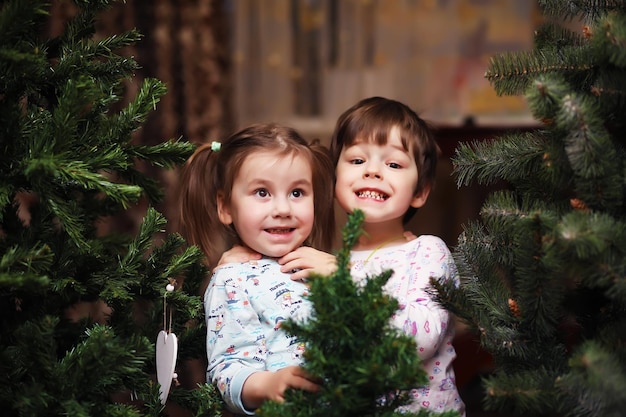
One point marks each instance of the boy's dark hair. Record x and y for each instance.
(372, 119)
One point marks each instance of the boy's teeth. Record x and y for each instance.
(372, 194)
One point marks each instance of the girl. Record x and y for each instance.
(261, 188)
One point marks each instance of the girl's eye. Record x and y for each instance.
(262, 192)
(394, 165)
(356, 161)
(297, 193)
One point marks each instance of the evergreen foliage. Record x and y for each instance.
(545, 268)
(362, 361)
(67, 164)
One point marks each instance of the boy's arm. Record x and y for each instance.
(423, 318)
(300, 263)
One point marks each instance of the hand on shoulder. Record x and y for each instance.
(306, 260)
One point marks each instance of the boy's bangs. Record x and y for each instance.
(378, 134)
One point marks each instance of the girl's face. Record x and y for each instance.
(271, 204)
(379, 179)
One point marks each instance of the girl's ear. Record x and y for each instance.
(420, 198)
(223, 209)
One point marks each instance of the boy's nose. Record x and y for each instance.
(372, 171)
(372, 175)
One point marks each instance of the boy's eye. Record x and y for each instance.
(261, 192)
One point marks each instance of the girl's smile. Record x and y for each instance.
(271, 212)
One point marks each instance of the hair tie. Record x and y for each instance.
(215, 146)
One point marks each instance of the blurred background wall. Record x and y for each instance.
(228, 63)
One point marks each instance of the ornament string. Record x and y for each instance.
(166, 311)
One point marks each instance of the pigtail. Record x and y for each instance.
(199, 221)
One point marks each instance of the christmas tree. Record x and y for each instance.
(81, 304)
(545, 266)
(365, 365)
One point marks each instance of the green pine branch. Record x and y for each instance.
(543, 269)
(364, 364)
(80, 306)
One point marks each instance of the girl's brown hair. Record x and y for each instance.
(210, 171)
(372, 119)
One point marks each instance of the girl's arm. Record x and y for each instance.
(266, 385)
(237, 357)
(238, 253)
(232, 326)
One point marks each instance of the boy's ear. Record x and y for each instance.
(223, 209)
(420, 198)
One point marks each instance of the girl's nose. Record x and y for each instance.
(282, 208)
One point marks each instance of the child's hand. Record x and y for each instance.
(290, 377)
(305, 260)
(266, 385)
(238, 253)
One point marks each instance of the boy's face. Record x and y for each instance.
(271, 203)
(378, 179)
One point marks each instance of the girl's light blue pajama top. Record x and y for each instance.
(245, 304)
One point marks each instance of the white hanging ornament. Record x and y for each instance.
(166, 351)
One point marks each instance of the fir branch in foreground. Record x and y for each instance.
(365, 363)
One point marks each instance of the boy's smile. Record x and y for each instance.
(381, 180)
(373, 194)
